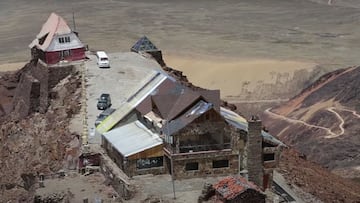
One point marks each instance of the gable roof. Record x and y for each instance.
(230, 187)
(200, 108)
(183, 101)
(167, 87)
(55, 25)
(144, 44)
(163, 104)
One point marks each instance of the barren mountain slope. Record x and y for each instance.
(316, 180)
(323, 121)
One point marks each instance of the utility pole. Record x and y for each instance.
(172, 175)
(73, 15)
(171, 159)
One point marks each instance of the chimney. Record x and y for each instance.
(254, 151)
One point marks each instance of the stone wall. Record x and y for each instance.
(255, 153)
(205, 164)
(116, 178)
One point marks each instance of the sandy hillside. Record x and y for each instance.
(11, 66)
(234, 76)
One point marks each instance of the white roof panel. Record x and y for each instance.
(132, 138)
(151, 82)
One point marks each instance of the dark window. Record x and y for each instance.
(265, 144)
(149, 163)
(269, 157)
(192, 166)
(207, 117)
(220, 163)
(61, 40)
(67, 39)
(42, 40)
(65, 53)
(64, 39)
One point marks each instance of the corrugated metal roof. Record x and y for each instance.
(132, 138)
(148, 85)
(239, 122)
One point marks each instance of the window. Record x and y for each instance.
(64, 53)
(61, 40)
(149, 163)
(192, 166)
(67, 39)
(64, 39)
(269, 157)
(221, 164)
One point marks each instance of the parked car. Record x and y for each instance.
(103, 115)
(104, 101)
(102, 59)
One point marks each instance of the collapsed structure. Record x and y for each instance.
(57, 42)
(237, 189)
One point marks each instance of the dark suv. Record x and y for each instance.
(103, 115)
(104, 102)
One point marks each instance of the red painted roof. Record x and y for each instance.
(231, 187)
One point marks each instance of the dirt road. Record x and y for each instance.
(330, 133)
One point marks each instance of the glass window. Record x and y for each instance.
(61, 40)
(269, 157)
(149, 163)
(192, 166)
(220, 163)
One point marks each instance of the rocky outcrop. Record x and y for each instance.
(36, 142)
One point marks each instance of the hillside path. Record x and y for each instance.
(328, 130)
(352, 111)
(341, 125)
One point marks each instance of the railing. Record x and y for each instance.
(200, 148)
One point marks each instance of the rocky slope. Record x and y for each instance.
(37, 142)
(322, 122)
(314, 179)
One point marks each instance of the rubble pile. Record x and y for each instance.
(37, 143)
(54, 197)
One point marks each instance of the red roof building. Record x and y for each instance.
(238, 189)
(57, 42)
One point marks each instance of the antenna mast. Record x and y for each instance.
(73, 14)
